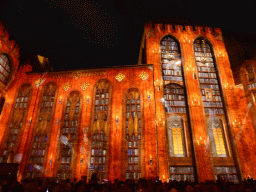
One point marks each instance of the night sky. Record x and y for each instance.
(84, 34)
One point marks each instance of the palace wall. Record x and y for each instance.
(238, 117)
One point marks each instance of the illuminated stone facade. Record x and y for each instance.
(176, 115)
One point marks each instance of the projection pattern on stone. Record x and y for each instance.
(18, 158)
(244, 121)
(39, 168)
(82, 150)
(64, 140)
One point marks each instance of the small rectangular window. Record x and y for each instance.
(129, 151)
(130, 160)
(136, 151)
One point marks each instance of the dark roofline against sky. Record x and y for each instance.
(95, 69)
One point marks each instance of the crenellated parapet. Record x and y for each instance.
(182, 28)
(184, 34)
(187, 33)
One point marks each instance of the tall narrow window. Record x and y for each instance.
(208, 77)
(4, 68)
(217, 138)
(99, 144)
(13, 134)
(42, 131)
(69, 136)
(212, 96)
(133, 134)
(176, 107)
(171, 59)
(176, 137)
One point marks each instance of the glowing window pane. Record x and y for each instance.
(219, 141)
(177, 141)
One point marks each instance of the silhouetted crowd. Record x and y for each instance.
(141, 185)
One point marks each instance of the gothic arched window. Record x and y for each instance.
(175, 130)
(69, 136)
(212, 97)
(216, 134)
(171, 59)
(133, 126)
(175, 102)
(99, 145)
(14, 132)
(42, 130)
(208, 77)
(4, 68)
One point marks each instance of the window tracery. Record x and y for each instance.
(212, 96)
(176, 136)
(42, 131)
(4, 68)
(19, 114)
(208, 79)
(133, 128)
(171, 59)
(216, 134)
(99, 148)
(69, 136)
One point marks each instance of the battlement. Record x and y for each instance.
(180, 28)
